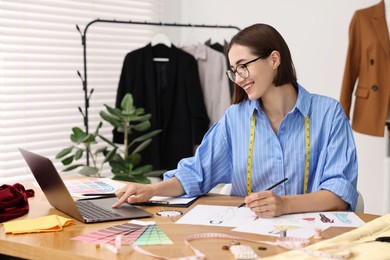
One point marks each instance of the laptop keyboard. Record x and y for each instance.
(90, 210)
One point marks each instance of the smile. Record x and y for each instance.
(247, 86)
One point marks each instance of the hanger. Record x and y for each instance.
(161, 39)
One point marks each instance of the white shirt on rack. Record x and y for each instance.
(215, 84)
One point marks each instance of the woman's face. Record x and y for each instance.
(261, 72)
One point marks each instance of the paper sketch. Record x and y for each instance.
(243, 220)
(217, 216)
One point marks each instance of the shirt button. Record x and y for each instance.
(374, 88)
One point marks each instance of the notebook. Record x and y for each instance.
(85, 210)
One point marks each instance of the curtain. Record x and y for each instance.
(40, 54)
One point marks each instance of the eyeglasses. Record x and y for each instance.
(241, 69)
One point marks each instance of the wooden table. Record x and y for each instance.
(58, 245)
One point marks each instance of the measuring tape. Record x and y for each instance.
(169, 213)
(292, 243)
(285, 242)
(250, 153)
(307, 159)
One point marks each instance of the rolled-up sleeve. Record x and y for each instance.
(340, 167)
(210, 165)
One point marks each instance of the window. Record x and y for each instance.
(40, 54)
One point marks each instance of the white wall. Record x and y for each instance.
(317, 33)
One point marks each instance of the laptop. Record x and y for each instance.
(85, 210)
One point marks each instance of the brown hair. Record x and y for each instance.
(263, 39)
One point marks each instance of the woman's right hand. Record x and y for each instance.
(133, 193)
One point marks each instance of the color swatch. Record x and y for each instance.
(92, 185)
(130, 232)
(153, 235)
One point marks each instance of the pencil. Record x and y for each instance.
(270, 188)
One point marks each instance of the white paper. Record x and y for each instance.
(223, 216)
(171, 200)
(242, 219)
(301, 225)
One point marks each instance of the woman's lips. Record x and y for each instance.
(247, 87)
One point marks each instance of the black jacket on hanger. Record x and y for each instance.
(172, 93)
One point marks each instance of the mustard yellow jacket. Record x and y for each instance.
(368, 63)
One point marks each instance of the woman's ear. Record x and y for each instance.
(275, 57)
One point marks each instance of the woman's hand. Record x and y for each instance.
(266, 204)
(133, 193)
(137, 192)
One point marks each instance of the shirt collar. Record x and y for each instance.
(303, 100)
(302, 104)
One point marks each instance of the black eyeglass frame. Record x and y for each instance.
(232, 73)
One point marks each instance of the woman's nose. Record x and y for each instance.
(238, 80)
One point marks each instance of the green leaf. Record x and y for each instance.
(78, 154)
(139, 111)
(114, 121)
(74, 166)
(134, 158)
(89, 138)
(107, 141)
(77, 131)
(128, 116)
(89, 171)
(68, 160)
(123, 177)
(116, 112)
(142, 126)
(120, 166)
(64, 152)
(120, 129)
(78, 135)
(98, 127)
(127, 103)
(110, 155)
(101, 150)
(141, 179)
(144, 137)
(142, 146)
(142, 118)
(157, 173)
(142, 170)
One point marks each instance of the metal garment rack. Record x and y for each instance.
(84, 80)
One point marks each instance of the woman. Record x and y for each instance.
(274, 129)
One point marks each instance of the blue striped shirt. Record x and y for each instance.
(223, 153)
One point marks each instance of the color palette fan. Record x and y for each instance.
(139, 234)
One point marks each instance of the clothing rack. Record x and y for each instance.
(84, 80)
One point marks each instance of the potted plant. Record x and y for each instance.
(125, 161)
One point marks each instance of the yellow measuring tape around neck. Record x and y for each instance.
(250, 153)
(307, 159)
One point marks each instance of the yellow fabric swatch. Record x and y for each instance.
(43, 224)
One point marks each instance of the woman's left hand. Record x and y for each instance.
(266, 204)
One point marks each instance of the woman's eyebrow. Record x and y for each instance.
(240, 61)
